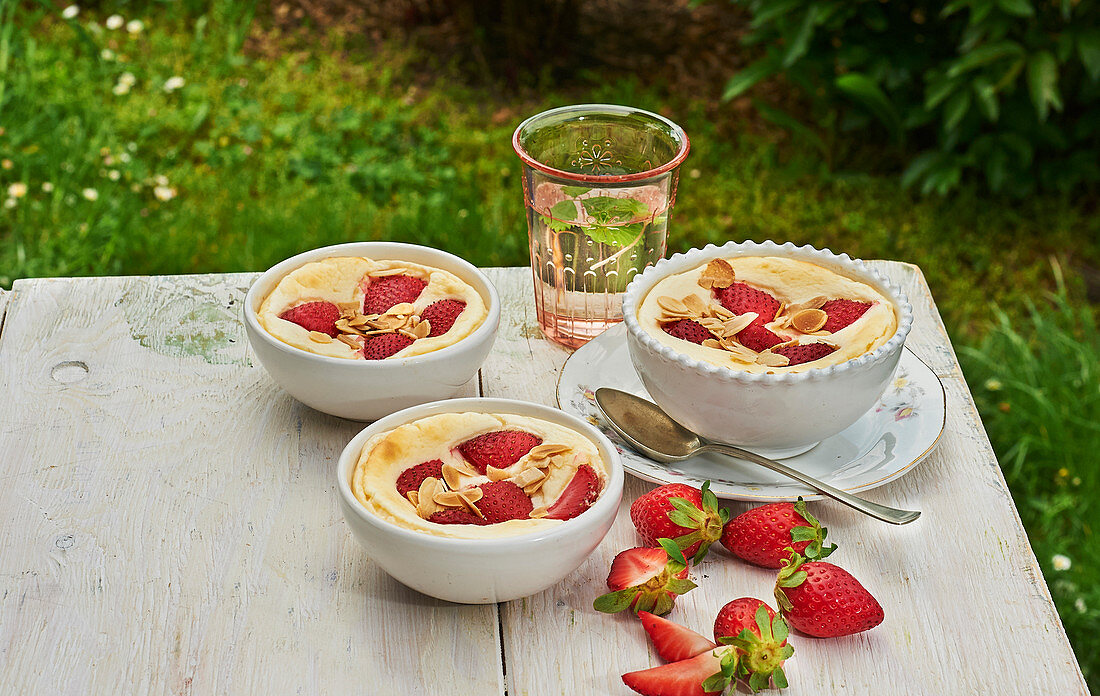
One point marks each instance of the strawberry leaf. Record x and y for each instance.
(793, 580)
(779, 630)
(758, 681)
(614, 602)
(803, 534)
(682, 519)
(680, 586)
(779, 678)
(763, 622)
(673, 551)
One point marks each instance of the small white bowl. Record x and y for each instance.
(481, 571)
(370, 389)
(780, 414)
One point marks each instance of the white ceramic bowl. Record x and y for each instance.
(778, 415)
(481, 571)
(370, 389)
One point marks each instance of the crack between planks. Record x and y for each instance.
(5, 302)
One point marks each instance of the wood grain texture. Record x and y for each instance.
(170, 516)
(965, 601)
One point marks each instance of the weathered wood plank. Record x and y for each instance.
(169, 515)
(966, 560)
(5, 297)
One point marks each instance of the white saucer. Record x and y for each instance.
(886, 442)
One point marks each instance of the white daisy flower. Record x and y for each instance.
(161, 180)
(17, 190)
(1061, 562)
(90, 193)
(124, 157)
(70, 12)
(121, 88)
(134, 26)
(115, 21)
(114, 175)
(10, 203)
(173, 83)
(164, 193)
(107, 54)
(127, 78)
(47, 187)
(1079, 605)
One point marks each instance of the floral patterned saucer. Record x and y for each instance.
(888, 441)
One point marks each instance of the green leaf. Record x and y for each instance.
(953, 7)
(996, 169)
(614, 602)
(1088, 49)
(772, 11)
(866, 92)
(779, 629)
(763, 622)
(920, 166)
(987, 98)
(983, 55)
(564, 210)
(680, 586)
(784, 120)
(681, 518)
(758, 681)
(605, 209)
(716, 683)
(575, 190)
(800, 43)
(793, 580)
(673, 551)
(621, 235)
(780, 678)
(745, 79)
(936, 92)
(1019, 8)
(1042, 82)
(955, 110)
(803, 534)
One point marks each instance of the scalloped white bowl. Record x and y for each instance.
(780, 414)
(370, 389)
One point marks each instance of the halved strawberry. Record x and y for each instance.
(841, 313)
(383, 293)
(741, 297)
(314, 316)
(441, 315)
(456, 516)
(411, 478)
(672, 641)
(757, 337)
(502, 501)
(804, 353)
(683, 678)
(645, 579)
(688, 330)
(759, 638)
(578, 496)
(500, 448)
(382, 346)
(689, 516)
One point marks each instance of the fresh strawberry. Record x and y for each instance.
(441, 315)
(455, 516)
(824, 600)
(759, 638)
(502, 501)
(804, 353)
(411, 478)
(688, 330)
(758, 337)
(841, 313)
(672, 641)
(740, 298)
(383, 293)
(500, 448)
(766, 535)
(382, 346)
(578, 496)
(314, 316)
(646, 579)
(683, 678)
(687, 515)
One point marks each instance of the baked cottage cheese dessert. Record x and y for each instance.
(359, 308)
(478, 475)
(767, 314)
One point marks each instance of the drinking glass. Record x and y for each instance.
(599, 182)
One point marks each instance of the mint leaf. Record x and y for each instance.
(556, 225)
(605, 210)
(623, 235)
(565, 210)
(574, 190)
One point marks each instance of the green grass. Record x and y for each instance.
(260, 155)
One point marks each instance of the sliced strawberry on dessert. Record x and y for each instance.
(411, 478)
(759, 638)
(502, 501)
(500, 448)
(758, 337)
(455, 516)
(824, 600)
(804, 353)
(645, 579)
(689, 516)
(578, 496)
(672, 641)
(314, 316)
(741, 297)
(767, 534)
(382, 346)
(688, 330)
(441, 315)
(387, 291)
(683, 678)
(841, 313)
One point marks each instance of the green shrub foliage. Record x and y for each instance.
(1005, 91)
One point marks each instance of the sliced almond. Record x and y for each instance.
(712, 343)
(671, 304)
(496, 474)
(533, 488)
(452, 477)
(734, 326)
(695, 304)
(527, 477)
(539, 512)
(816, 302)
(717, 274)
(358, 321)
(809, 320)
(422, 329)
(426, 504)
(387, 272)
(547, 450)
(406, 332)
(413, 497)
(772, 359)
(401, 309)
(318, 337)
(721, 312)
(351, 342)
(448, 499)
(471, 495)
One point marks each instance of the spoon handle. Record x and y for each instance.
(882, 512)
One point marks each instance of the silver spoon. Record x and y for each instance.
(651, 431)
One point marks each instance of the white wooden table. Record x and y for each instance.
(170, 526)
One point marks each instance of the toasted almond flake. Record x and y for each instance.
(717, 274)
(387, 272)
(448, 499)
(547, 450)
(809, 320)
(816, 302)
(496, 474)
(695, 304)
(422, 329)
(469, 505)
(401, 309)
(722, 313)
(406, 332)
(319, 337)
(772, 359)
(413, 497)
(350, 308)
(671, 304)
(426, 504)
(351, 342)
(471, 495)
(358, 321)
(735, 325)
(539, 512)
(527, 477)
(452, 477)
(533, 488)
(782, 322)
(823, 332)
(712, 343)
